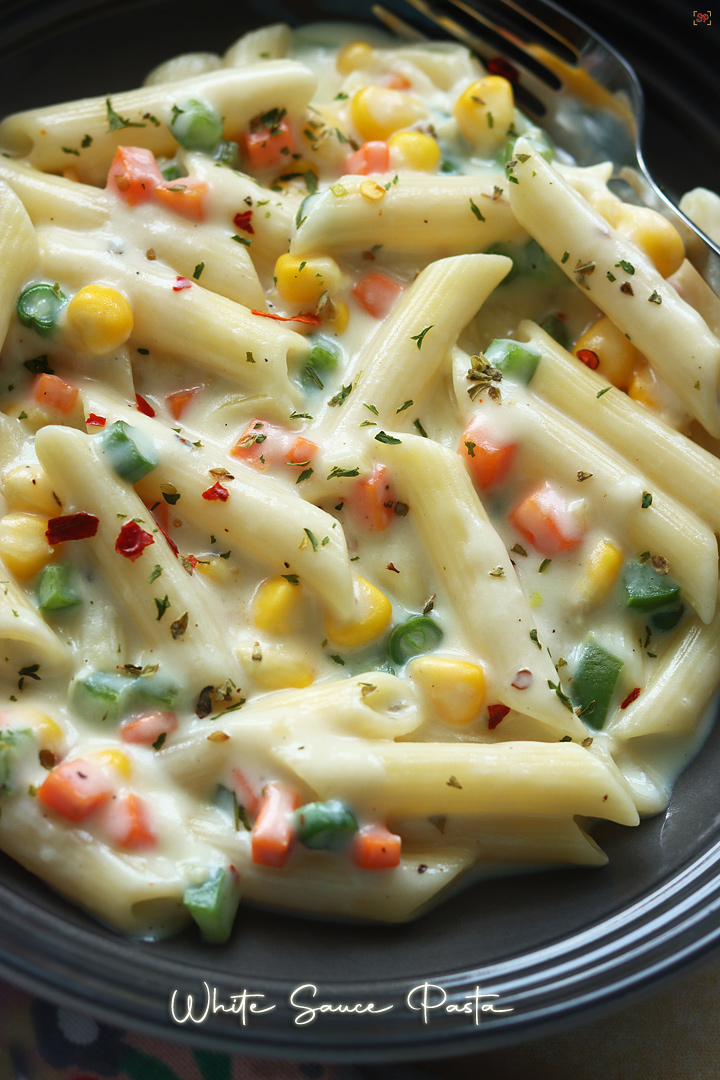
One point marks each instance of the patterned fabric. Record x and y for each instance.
(40, 1041)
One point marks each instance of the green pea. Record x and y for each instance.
(39, 306)
(420, 634)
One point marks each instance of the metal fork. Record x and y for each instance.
(568, 81)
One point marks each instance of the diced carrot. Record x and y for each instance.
(376, 848)
(272, 833)
(259, 440)
(377, 294)
(301, 450)
(75, 788)
(185, 196)
(372, 501)
(134, 174)
(245, 793)
(487, 457)
(179, 400)
(55, 393)
(396, 82)
(546, 521)
(149, 727)
(372, 157)
(265, 149)
(125, 821)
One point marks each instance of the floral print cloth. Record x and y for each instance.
(41, 1041)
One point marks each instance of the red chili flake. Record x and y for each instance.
(243, 221)
(632, 696)
(588, 358)
(500, 66)
(132, 541)
(144, 406)
(181, 283)
(173, 546)
(217, 493)
(193, 561)
(523, 679)
(94, 420)
(305, 317)
(496, 713)
(71, 527)
(392, 566)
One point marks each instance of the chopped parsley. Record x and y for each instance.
(419, 338)
(117, 122)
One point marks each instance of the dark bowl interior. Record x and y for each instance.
(556, 945)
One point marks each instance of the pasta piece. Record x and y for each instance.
(622, 282)
(22, 626)
(18, 253)
(267, 521)
(200, 647)
(687, 673)
(124, 890)
(375, 705)
(407, 351)
(432, 216)
(464, 548)
(178, 317)
(686, 471)
(53, 198)
(233, 193)
(39, 135)
(265, 43)
(558, 779)
(321, 887)
(552, 445)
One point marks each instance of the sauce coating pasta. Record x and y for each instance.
(359, 488)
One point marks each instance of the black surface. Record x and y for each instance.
(554, 945)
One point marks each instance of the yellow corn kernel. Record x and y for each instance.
(485, 111)
(274, 668)
(101, 318)
(23, 544)
(27, 487)
(618, 359)
(303, 281)
(355, 55)
(215, 568)
(49, 733)
(654, 235)
(414, 150)
(276, 602)
(377, 112)
(455, 689)
(372, 615)
(601, 573)
(340, 319)
(115, 759)
(644, 389)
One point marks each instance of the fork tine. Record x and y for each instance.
(524, 22)
(538, 80)
(397, 25)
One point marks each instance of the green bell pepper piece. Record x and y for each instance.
(131, 454)
(213, 904)
(55, 588)
(646, 590)
(325, 826)
(593, 684)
